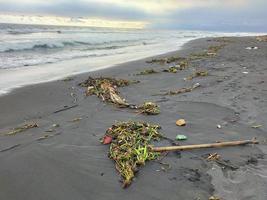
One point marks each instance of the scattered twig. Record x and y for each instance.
(66, 108)
(21, 129)
(10, 148)
(182, 90)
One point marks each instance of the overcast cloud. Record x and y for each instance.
(226, 15)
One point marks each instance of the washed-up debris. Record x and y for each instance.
(130, 147)
(106, 89)
(55, 125)
(252, 48)
(77, 119)
(182, 90)
(213, 157)
(214, 198)
(262, 38)
(181, 137)
(65, 108)
(219, 126)
(10, 148)
(165, 166)
(22, 128)
(211, 52)
(147, 72)
(245, 72)
(222, 40)
(256, 126)
(198, 74)
(149, 108)
(180, 66)
(166, 60)
(160, 60)
(172, 69)
(201, 146)
(180, 122)
(68, 79)
(46, 136)
(107, 139)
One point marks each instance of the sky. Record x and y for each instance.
(221, 15)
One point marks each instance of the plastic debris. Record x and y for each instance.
(181, 137)
(256, 126)
(180, 122)
(55, 125)
(252, 48)
(219, 126)
(213, 156)
(107, 139)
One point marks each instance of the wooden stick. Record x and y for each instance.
(200, 146)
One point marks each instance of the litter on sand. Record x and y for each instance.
(180, 122)
(22, 128)
(252, 48)
(256, 126)
(129, 147)
(181, 137)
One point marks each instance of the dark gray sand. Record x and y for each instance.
(71, 164)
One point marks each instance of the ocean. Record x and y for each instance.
(35, 53)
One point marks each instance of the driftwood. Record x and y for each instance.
(200, 146)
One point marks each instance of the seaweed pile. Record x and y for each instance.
(198, 74)
(129, 147)
(181, 65)
(147, 72)
(262, 38)
(106, 89)
(149, 108)
(166, 60)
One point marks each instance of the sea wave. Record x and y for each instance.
(83, 44)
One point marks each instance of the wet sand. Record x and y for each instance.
(72, 164)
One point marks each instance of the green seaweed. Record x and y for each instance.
(149, 108)
(130, 147)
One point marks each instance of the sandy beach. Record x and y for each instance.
(69, 162)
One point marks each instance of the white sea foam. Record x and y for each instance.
(34, 54)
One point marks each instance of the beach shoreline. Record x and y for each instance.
(72, 164)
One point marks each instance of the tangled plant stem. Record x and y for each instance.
(130, 147)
